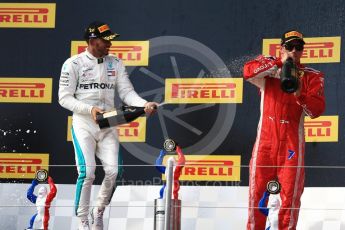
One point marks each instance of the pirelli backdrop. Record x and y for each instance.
(188, 54)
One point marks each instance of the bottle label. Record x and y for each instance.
(109, 114)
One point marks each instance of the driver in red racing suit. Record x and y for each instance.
(280, 133)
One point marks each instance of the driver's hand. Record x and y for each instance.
(94, 112)
(150, 107)
(284, 56)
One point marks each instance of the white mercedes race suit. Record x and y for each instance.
(87, 82)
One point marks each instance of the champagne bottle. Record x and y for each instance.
(125, 115)
(289, 78)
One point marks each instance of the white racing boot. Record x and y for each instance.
(83, 224)
(97, 218)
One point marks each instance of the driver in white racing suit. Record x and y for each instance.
(87, 86)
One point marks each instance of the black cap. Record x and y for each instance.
(99, 30)
(290, 36)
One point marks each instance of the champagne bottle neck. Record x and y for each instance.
(129, 106)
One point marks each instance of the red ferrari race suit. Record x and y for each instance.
(280, 137)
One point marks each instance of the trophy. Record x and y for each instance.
(270, 204)
(42, 200)
(167, 208)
